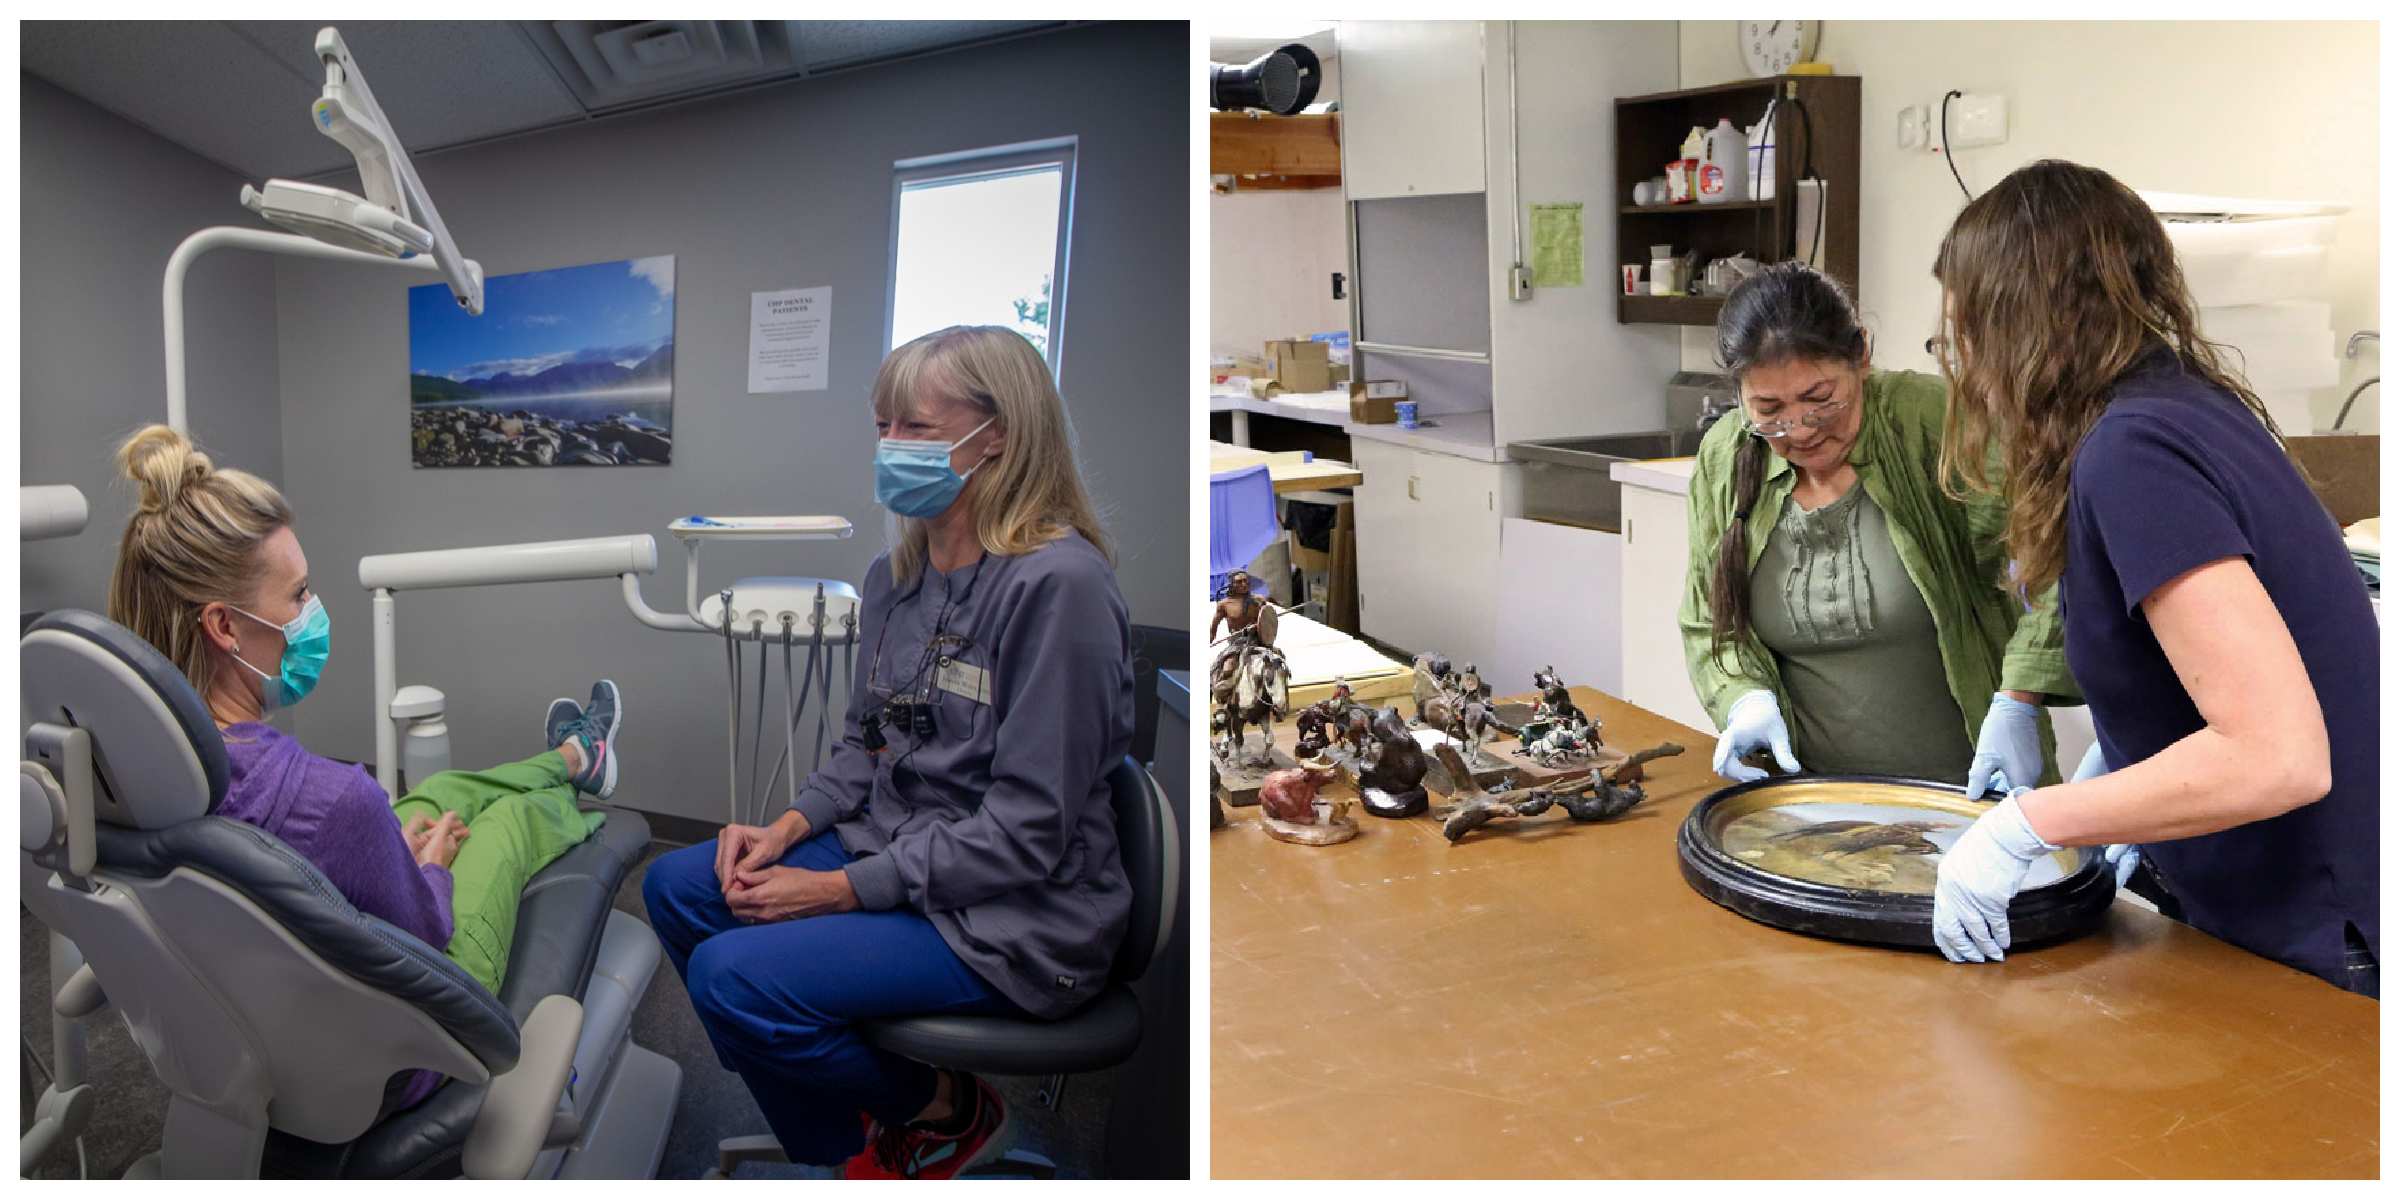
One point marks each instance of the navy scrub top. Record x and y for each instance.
(2177, 474)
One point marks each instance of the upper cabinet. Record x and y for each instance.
(1412, 108)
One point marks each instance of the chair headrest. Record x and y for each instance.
(158, 758)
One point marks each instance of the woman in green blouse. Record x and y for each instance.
(1840, 613)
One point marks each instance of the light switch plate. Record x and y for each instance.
(1912, 127)
(1978, 119)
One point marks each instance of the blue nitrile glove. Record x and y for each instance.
(1752, 722)
(2008, 752)
(1978, 877)
(2125, 858)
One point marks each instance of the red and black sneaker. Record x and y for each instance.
(910, 1152)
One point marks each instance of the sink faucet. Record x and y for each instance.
(2363, 335)
(1714, 407)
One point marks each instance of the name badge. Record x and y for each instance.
(964, 679)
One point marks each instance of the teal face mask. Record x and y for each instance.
(914, 478)
(307, 643)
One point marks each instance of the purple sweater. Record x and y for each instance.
(337, 817)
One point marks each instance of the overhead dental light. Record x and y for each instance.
(396, 218)
(1283, 80)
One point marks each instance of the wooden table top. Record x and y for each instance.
(1285, 470)
(1555, 1000)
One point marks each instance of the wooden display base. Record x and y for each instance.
(1334, 825)
(1528, 771)
(1238, 782)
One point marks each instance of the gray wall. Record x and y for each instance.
(783, 188)
(104, 203)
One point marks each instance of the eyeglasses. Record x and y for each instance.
(1815, 418)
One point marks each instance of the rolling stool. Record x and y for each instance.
(1096, 1037)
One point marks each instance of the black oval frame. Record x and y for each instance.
(2053, 912)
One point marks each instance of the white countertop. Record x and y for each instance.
(1461, 435)
(1321, 408)
(1670, 475)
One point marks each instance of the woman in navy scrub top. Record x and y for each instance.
(2214, 620)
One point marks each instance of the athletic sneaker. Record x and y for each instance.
(558, 723)
(596, 733)
(910, 1152)
(606, 708)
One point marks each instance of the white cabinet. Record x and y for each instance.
(1558, 606)
(1657, 553)
(1412, 108)
(1429, 547)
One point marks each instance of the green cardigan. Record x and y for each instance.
(1953, 552)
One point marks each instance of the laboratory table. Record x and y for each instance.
(1285, 471)
(1548, 999)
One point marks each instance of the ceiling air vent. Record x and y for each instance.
(616, 64)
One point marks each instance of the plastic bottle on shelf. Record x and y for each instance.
(1761, 157)
(1684, 182)
(1724, 169)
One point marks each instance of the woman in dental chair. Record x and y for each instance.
(957, 853)
(210, 573)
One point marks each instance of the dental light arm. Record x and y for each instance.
(394, 225)
(396, 219)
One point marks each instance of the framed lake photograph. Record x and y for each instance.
(573, 367)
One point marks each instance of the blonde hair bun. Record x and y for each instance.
(162, 462)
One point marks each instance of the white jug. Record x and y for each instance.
(1724, 167)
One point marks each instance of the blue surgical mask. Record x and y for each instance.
(914, 478)
(307, 643)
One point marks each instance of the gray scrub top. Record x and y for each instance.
(1856, 647)
(998, 826)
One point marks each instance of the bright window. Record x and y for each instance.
(981, 239)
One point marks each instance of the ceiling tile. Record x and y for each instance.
(442, 83)
(195, 83)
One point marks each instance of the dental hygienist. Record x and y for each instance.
(958, 853)
(2214, 619)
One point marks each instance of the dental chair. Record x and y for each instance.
(279, 1017)
(1096, 1037)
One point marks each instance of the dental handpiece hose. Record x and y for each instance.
(758, 721)
(733, 721)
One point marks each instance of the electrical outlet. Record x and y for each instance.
(1978, 119)
(1912, 126)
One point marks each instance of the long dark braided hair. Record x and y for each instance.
(1787, 311)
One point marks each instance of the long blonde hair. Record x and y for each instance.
(1032, 494)
(2058, 280)
(194, 539)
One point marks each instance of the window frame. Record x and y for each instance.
(993, 161)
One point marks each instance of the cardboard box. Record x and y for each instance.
(1375, 401)
(1300, 365)
(2344, 469)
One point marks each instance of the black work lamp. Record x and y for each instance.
(1283, 80)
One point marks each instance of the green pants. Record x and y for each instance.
(520, 816)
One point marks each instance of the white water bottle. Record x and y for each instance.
(1761, 158)
(1724, 171)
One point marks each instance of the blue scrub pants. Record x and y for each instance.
(779, 1000)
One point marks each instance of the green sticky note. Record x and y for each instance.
(1557, 245)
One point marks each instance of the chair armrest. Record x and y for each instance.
(515, 1119)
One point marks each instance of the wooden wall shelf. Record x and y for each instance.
(1267, 152)
(1650, 130)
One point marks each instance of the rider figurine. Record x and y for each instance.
(1238, 613)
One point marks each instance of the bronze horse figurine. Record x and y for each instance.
(1255, 692)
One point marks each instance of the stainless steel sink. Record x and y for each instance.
(1566, 479)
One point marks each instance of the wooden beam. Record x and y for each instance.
(1278, 183)
(1263, 144)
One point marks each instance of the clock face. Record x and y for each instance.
(1771, 47)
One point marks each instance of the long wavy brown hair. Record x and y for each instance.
(2055, 283)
